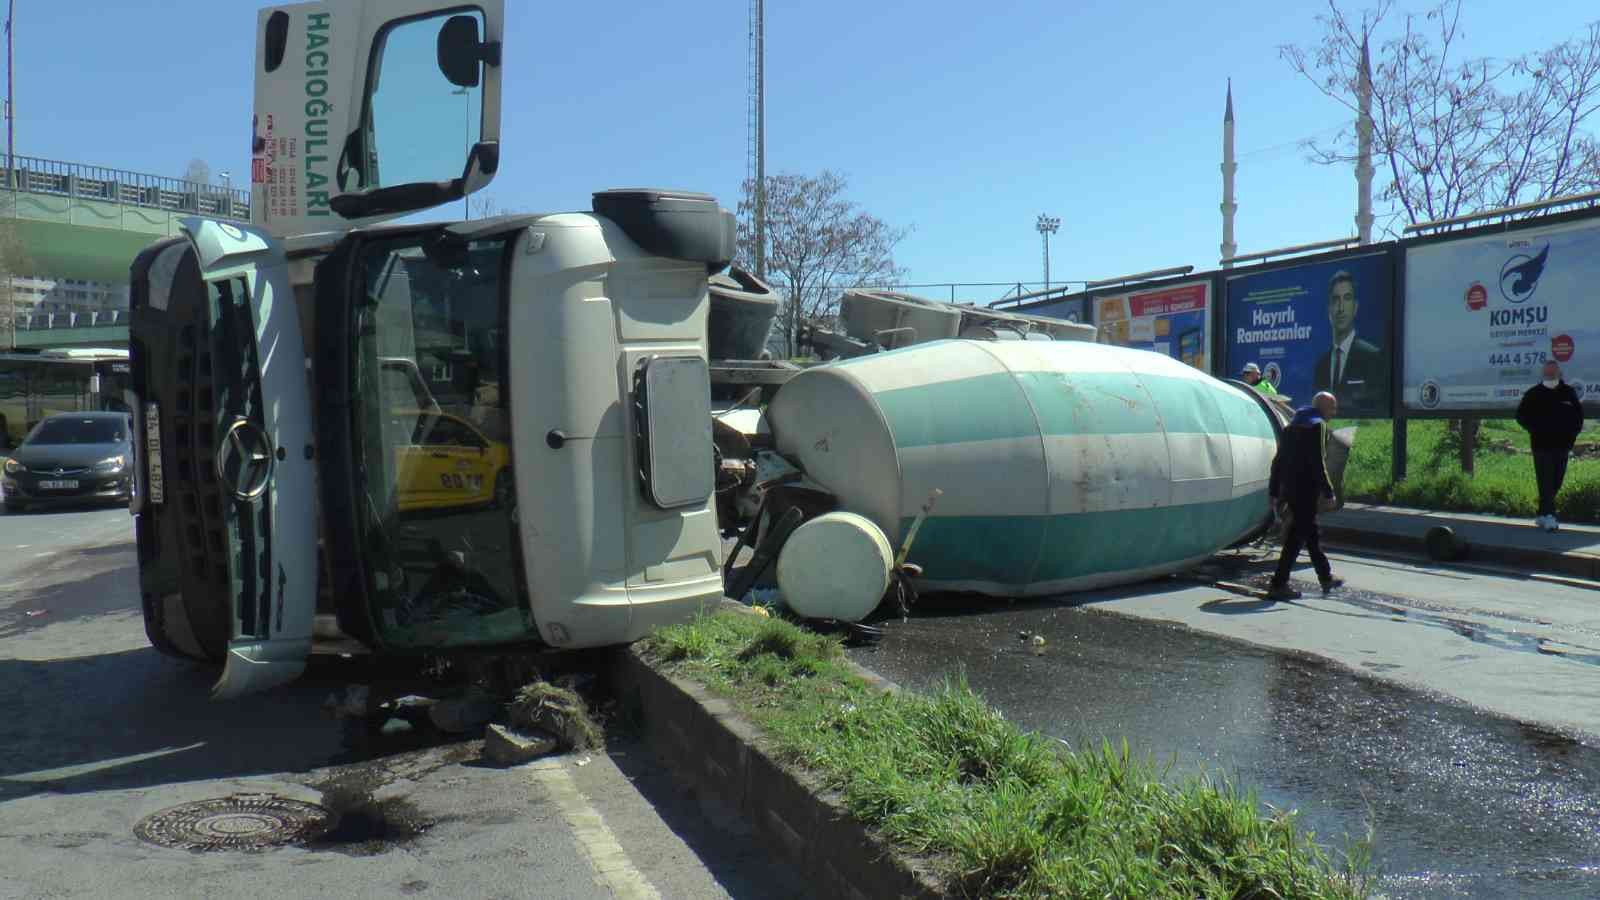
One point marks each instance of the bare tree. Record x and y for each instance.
(1455, 135)
(1451, 135)
(198, 172)
(485, 206)
(818, 244)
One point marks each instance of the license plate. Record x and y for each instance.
(57, 485)
(155, 486)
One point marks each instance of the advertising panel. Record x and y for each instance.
(1317, 327)
(1484, 313)
(1174, 321)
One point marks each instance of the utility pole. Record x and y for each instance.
(1047, 226)
(11, 163)
(758, 44)
(11, 100)
(466, 141)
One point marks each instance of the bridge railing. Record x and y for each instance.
(68, 179)
(86, 319)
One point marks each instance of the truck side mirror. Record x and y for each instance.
(460, 51)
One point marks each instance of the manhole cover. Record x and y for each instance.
(239, 822)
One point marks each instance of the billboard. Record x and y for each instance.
(1483, 314)
(1174, 321)
(1317, 327)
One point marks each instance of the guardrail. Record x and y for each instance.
(90, 319)
(67, 179)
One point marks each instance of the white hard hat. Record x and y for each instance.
(1251, 367)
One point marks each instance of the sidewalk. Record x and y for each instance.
(1515, 543)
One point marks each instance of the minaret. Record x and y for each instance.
(1229, 248)
(1364, 147)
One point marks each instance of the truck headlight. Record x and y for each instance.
(13, 467)
(111, 464)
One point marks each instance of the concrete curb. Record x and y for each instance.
(721, 756)
(1578, 565)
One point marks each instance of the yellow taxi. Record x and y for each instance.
(448, 463)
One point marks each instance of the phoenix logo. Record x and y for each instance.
(1519, 278)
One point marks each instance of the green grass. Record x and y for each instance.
(1000, 812)
(1503, 483)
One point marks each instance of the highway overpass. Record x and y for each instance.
(80, 222)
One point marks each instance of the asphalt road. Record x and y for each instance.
(1369, 708)
(98, 731)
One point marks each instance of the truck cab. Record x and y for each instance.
(456, 434)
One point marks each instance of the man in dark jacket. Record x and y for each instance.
(1299, 481)
(1552, 413)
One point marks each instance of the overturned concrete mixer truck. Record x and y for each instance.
(1014, 468)
(424, 438)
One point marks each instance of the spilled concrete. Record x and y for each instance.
(1459, 804)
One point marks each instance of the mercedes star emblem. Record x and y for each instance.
(244, 461)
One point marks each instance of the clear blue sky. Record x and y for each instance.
(962, 120)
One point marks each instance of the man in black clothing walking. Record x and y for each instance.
(1300, 481)
(1552, 413)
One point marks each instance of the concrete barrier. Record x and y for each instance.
(722, 756)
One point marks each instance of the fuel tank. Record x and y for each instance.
(1064, 465)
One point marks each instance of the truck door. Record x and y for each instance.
(366, 110)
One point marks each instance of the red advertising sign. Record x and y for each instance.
(1561, 347)
(1477, 296)
(1165, 302)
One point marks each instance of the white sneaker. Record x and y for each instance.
(1543, 522)
(1554, 525)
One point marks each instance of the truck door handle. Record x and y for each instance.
(437, 455)
(556, 439)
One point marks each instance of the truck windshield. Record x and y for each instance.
(434, 446)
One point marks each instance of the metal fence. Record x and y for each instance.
(981, 293)
(96, 318)
(67, 179)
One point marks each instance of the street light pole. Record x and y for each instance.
(1047, 226)
(466, 142)
(11, 100)
(11, 163)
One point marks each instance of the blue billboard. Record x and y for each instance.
(1317, 327)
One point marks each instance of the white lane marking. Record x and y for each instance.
(612, 868)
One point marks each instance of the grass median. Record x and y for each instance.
(1002, 813)
(1502, 484)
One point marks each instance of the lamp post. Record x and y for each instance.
(1047, 226)
(466, 141)
(11, 163)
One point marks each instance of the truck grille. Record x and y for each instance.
(236, 387)
(196, 360)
